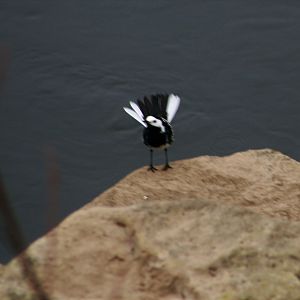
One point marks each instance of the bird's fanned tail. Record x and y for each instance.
(172, 107)
(133, 114)
(159, 106)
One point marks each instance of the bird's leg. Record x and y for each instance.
(167, 166)
(151, 167)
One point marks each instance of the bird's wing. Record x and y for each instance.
(133, 114)
(172, 106)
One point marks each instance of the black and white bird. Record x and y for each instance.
(155, 113)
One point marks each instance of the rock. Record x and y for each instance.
(211, 228)
(265, 181)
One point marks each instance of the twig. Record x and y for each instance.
(17, 242)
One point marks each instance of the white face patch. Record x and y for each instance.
(156, 123)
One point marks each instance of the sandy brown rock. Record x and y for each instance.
(265, 181)
(212, 228)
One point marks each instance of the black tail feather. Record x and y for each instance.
(156, 109)
(163, 105)
(154, 106)
(148, 105)
(142, 108)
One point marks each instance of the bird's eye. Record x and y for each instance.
(154, 121)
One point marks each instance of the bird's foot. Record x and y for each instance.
(152, 168)
(166, 167)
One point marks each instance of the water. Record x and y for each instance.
(74, 65)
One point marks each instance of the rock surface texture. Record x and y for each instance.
(211, 228)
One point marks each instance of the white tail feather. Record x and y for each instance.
(135, 116)
(137, 109)
(172, 106)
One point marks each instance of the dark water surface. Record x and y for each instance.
(75, 64)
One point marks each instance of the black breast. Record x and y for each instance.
(154, 137)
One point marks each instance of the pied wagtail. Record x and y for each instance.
(155, 113)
